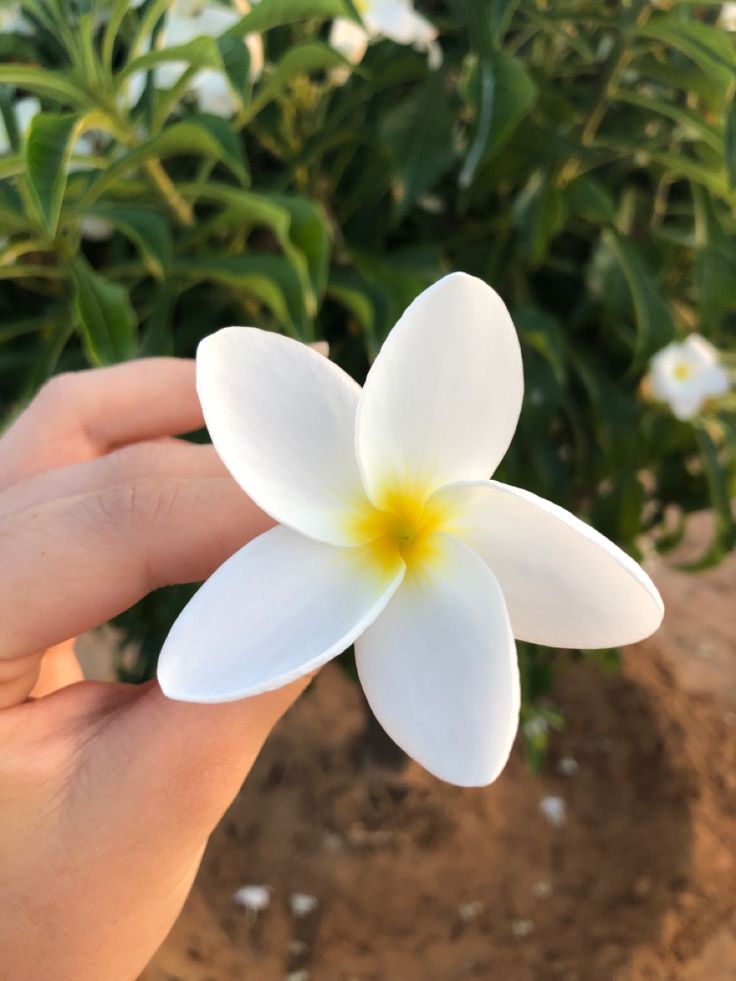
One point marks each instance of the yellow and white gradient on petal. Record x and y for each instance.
(439, 667)
(276, 610)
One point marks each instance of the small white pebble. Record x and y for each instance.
(298, 975)
(254, 898)
(554, 809)
(567, 766)
(470, 911)
(333, 843)
(302, 905)
(522, 929)
(542, 889)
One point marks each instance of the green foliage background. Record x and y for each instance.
(579, 156)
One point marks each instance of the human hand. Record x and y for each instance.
(108, 792)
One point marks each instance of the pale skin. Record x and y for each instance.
(108, 792)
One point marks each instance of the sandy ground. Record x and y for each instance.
(418, 881)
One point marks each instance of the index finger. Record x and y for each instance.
(81, 415)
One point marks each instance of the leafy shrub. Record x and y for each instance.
(579, 156)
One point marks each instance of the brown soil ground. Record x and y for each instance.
(420, 881)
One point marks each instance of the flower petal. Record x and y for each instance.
(282, 419)
(276, 610)
(439, 668)
(565, 584)
(349, 39)
(397, 20)
(442, 399)
(214, 94)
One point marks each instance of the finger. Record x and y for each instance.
(18, 675)
(69, 565)
(81, 415)
(198, 754)
(164, 457)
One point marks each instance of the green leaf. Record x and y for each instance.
(729, 136)
(202, 52)
(690, 120)
(276, 13)
(197, 134)
(589, 198)
(236, 62)
(269, 278)
(299, 226)
(105, 314)
(147, 230)
(710, 48)
(47, 152)
(207, 134)
(699, 173)
(715, 262)
(297, 62)
(46, 360)
(501, 92)
(540, 332)
(309, 233)
(539, 214)
(418, 136)
(42, 81)
(654, 325)
(724, 538)
(358, 302)
(12, 216)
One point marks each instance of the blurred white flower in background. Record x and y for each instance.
(188, 20)
(394, 19)
(12, 20)
(686, 374)
(25, 110)
(727, 17)
(96, 229)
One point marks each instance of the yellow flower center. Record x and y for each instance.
(682, 371)
(404, 527)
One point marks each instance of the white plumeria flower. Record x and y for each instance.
(686, 374)
(391, 535)
(394, 19)
(188, 20)
(727, 17)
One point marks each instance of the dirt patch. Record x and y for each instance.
(419, 881)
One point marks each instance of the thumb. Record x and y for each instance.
(186, 762)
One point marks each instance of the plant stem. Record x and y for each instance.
(163, 183)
